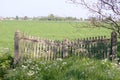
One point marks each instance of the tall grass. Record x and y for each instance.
(74, 68)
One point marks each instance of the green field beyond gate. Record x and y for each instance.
(47, 30)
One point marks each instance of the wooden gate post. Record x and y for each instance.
(114, 45)
(16, 46)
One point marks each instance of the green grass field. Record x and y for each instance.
(47, 30)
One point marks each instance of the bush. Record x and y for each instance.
(5, 63)
(37, 70)
(74, 68)
(88, 69)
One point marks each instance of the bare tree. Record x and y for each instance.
(107, 12)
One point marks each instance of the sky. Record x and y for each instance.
(32, 8)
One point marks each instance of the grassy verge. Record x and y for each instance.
(74, 68)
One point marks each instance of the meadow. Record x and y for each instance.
(47, 30)
(72, 68)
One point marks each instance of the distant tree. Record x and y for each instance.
(107, 10)
(93, 20)
(51, 17)
(36, 18)
(81, 19)
(25, 17)
(71, 18)
(17, 18)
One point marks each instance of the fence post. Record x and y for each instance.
(114, 45)
(16, 46)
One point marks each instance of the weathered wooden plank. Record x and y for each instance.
(16, 46)
(114, 45)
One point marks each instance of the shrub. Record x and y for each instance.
(5, 63)
(37, 70)
(74, 68)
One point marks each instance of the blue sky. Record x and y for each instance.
(31, 8)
